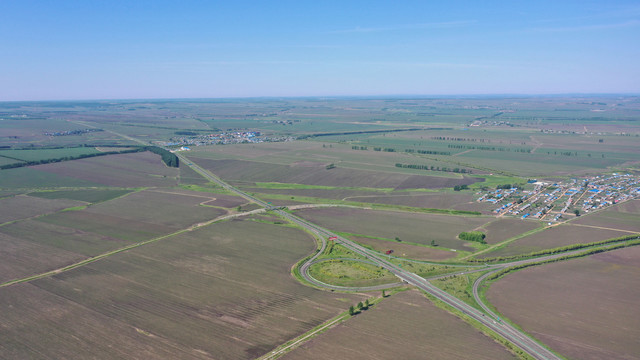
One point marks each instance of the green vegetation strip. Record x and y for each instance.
(557, 250)
(294, 186)
(314, 200)
(505, 271)
(208, 188)
(460, 286)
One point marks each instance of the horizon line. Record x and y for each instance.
(381, 96)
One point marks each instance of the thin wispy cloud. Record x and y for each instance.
(626, 24)
(208, 65)
(435, 25)
(418, 64)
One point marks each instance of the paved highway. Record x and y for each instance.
(510, 333)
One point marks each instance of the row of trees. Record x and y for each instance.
(169, 158)
(66, 158)
(447, 138)
(487, 148)
(361, 307)
(384, 149)
(433, 168)
(428, 152)
(507, 186)
(425, 152)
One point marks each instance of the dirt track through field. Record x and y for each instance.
(604, 228)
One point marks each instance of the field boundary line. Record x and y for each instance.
(181, 194)
(302, 338)
(508, 241)
(604, 228)
(123, 249)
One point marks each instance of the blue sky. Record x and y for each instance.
(168, 49)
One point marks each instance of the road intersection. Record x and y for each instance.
(515, 336)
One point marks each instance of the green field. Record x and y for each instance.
(44, 154)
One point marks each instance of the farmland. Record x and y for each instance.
(405, 250)
(169, 300)
(401, 326)
(124, 170)
(123, 256)
(22, 206)
(599, 293)
(318, 174)
(553, 237)
(409, 227)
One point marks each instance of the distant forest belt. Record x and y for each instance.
(369, 132)
(168, 157)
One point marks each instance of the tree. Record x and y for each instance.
(398, 239)
(433, 243)
(360, 305)
(366, 304)
(577, 212)
(476, 236)
(352, 311)
(384, 295)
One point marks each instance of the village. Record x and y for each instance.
(554, 201)
(224, 138)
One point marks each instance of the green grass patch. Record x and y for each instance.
(460, 286)
(315, 200)
(491, 181)
(75, 208)
(427, 269)
(90, 196)
(209, 188)
(334, 251)
(292, 186)
(350, 273)
(42, 154)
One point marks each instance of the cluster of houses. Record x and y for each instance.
(70, 132)
(550, 201)
(224, 138)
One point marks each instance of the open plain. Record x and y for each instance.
(249, 228)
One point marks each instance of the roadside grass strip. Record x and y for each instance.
(558, 249)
